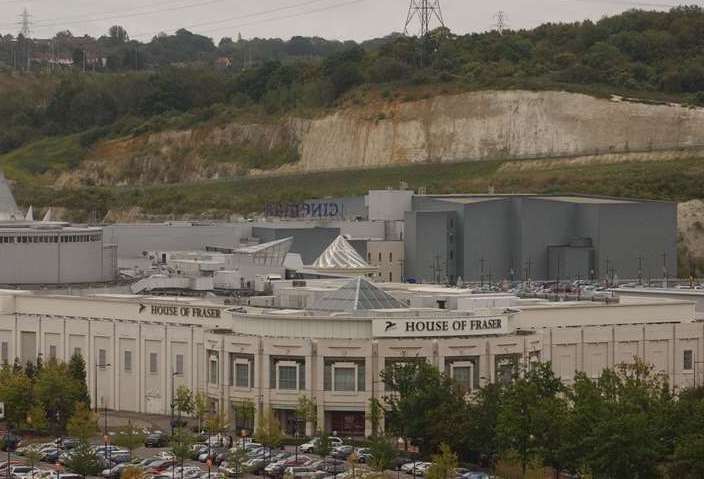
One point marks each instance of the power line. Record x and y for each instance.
(254, 14)
(630, 3)
(425, 11)
(87, 16)
(139, 14)
(265, 20)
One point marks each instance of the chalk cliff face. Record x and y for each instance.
(465, 127)
(495, 125)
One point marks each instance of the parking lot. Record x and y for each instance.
(210, 458)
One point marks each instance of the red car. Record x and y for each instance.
(159, 466)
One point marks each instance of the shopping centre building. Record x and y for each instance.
(330, 340)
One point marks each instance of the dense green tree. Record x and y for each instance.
(183, 402)
(443, 464)
(268, 430)
(307, 412)
(425, 407)
(180, 445)
(118, 34)
(323, 446)
(56, 390)
(16, 394)
(383, 452)
(129, 437)
(77, 370)
(83, 423)
(83, 460)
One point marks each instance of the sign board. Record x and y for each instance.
(313, 209)
(424, 328)
(185, 311)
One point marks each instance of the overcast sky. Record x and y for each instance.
(333, 19)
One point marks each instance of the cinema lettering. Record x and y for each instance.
(468, 326)
(181, 311)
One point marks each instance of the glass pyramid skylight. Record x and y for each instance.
(356, 295)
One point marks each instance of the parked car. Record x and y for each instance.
(311, 445)
(476, 475)
(276, 469)
(114, 472)
(399, 461)
(330, 465)
(198, 449)
(160, 466)
(423, 468)
(22, 472)
(342, 452)
(248, 446)
(303, 472)
(187, 472)
(364, 455)
(50, 455)
(409, 467)
(66, 443)
(156, 439)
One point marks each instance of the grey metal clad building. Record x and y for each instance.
(483, 237)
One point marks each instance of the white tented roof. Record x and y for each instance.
(340, 255)
(355, 295)
(8, 207)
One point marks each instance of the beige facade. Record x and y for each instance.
(388, 258)
(272, 357)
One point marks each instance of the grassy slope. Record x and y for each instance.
(665, 180)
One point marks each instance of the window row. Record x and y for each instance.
(81, 238)
(379, 256)
(288, 373)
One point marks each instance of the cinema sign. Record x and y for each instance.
(423, 328)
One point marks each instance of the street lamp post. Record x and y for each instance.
(399, 442)
(95, 382)
(106, 437)
(9, 451)
(173, 406)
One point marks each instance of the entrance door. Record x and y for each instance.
(347, 423)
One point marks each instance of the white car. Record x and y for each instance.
(309, 447)
(23, 472)
(408, 467)
(187, 472)
(423, 468)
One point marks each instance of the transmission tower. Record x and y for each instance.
(501, 21)
(25, 23)
(426, 12)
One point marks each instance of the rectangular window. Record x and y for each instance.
(127, 363)
(242, 375)
(506, 367)
(5, 352)
(102, 357)
(153, 363)
(462, 374)
(288, 377)
(52, 351)
(344, 378)
(179, 364)
(688, 360)
(213, 371)
(77, 351)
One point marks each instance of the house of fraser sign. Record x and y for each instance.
(461, 326)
